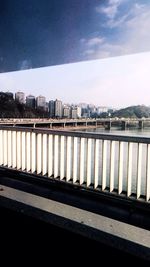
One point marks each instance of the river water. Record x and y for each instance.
(118, 131)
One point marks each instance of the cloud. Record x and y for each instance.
(137, 31)
(122, 20)
(89, 51)
(139, 6)
(91, 44)
(95, 41)
(111, 9)
(131, 30)
(106, 50)
(115, 23)
(92, 41)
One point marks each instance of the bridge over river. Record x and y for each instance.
(107, 123)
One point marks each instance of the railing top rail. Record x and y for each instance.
(101, 136)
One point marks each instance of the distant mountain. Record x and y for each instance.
(133, 112)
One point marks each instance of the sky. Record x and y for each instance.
(94, 51)
(114, 82)
(38, 33)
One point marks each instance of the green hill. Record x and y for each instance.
(133, 112)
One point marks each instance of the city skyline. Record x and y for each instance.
(114, 82)
(53, 32)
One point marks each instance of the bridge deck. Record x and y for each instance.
(47, 206)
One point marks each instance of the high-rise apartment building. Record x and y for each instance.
(51, 109)
(20, 97)
(78, 112)
(47, 107)
(66, 111)
(30, 101)
(74, 113)
(102, 109)
(41, 102)
(58, 108)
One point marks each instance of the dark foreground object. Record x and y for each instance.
(51, 221)
(37, 241)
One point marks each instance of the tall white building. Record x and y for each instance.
(66, 112)
(41, 102)
(74, 113)
(78, 111)
(102, 109)
(58, 108)
(20, 97)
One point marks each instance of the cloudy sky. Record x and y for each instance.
(94, 51)
(35, 33)
(122, 28)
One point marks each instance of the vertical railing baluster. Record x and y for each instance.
(28, 150)
(68, 165)
(1, 148)
(14, 149)
(112, 165)
(23, 143)
(82, 151)
(50, 155)
(96, 148)
(9, 152)
(120, 171)
(75, 145)
(148, 173)
(139, 169)
(5, 144)
(104, 164)
(129, 177)
(33, 152)
(62, 157)
(89, 161)
(44, 153)
(56, 166)
(39, 153)
(18, 150)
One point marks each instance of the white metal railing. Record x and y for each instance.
(106, 162)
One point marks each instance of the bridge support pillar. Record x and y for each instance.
(50, 126)
(64, 125)
(124, 125)
(108, 125)
(141, 124)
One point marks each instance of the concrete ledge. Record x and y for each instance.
(122, 236)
